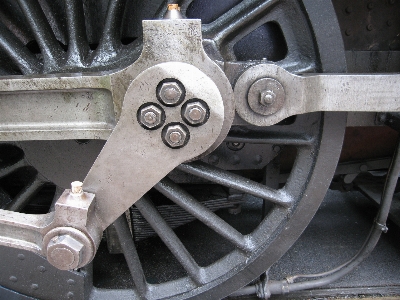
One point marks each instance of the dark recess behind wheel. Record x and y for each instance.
(336, 233)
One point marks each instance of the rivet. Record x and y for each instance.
(13, 279)
(235, 159)
(21, 256)
(389, 23)
(213, 159)
(369, 27)
(348, 32)
(70, 295)
(349, 9)
(370, 5)
(363, 168)
(71, 281)
(258, 159)
(34, 286)
(41, 269)
(276, 148)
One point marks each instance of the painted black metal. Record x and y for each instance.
(30, 274)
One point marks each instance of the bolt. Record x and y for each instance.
(76, 188)
(151, 116)
(170, 93)
(195, 113)
(267, 97)
(175, 136)
(65, 253)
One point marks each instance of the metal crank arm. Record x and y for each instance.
(266, 94)
(177, 106)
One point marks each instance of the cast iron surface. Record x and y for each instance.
(250, 253)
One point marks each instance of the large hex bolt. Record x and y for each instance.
(151, 116)
(195, 113)
(170, 93)
(175, 135)
(64, 252)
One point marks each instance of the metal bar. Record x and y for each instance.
(318, 92)
(22, 199)
(169, 189)
(130, 253)
(25, 116)
(43, 33)
(18, 53)
(278, 138)
(236, 19)
(78, 46)
(170, 239)
(236, 182)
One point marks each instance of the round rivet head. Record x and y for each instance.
(151, 116)
(195, 112)
(34, 286)
(21, 256)
(170, 93)
(175, 135)
(13, 279)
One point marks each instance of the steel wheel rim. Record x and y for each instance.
(304, 153)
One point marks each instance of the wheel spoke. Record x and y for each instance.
(18, 53)
(78, 46)
(50, 48)
(111, 37)
(130, 253)
(236, 19)
(236, 182)
(22, 199)
(169, 189)
(9, 169)
(167, 235)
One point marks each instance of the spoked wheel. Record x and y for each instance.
(180, 242)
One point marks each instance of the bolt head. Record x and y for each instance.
(65, 252)
(175, 136)
(195, 113)
(151, 116)
(170, 93)
(267, 97)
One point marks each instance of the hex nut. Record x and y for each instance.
(64, 252)
(175, 135)
(267, 97)
(170, 93)
(151, 116)
(195, 113)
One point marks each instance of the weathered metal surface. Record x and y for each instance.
(309, 93)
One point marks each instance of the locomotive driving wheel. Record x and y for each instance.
(209, 227)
